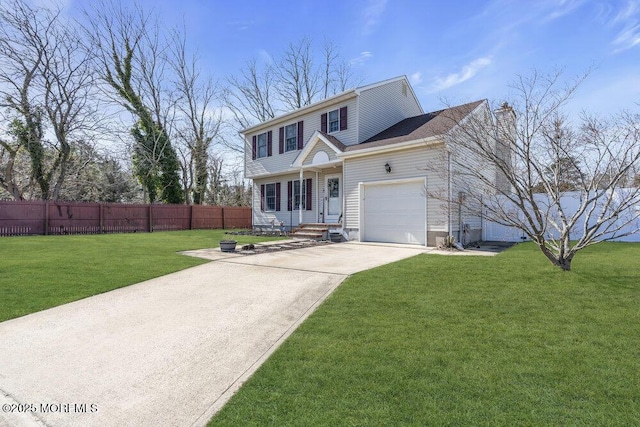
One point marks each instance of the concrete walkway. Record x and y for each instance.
(172, 350)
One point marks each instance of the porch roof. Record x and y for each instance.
(318, 136)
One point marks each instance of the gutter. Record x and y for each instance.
(432, 140)
(303, 110)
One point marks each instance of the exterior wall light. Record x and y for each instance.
(387, 167)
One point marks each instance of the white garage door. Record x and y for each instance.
(394, 213)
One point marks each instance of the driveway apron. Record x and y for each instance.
(171, 350)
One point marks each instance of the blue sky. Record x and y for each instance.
(456, 50)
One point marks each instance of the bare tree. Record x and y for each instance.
(216, 180)
(131, 58)
(250, 99)
(45, 85)
(199, 123)
(337, 73)
(530, 146)
(299, 80)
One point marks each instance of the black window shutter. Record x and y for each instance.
(289, 195)
(253, 151)
(281, 139)
(262, 198)
(277, 196)
(309, 204)
(300, 135)
(269, 143)
(343, 118)
(323, 122)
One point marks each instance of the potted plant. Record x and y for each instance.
(228, 245)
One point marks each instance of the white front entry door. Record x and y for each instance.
(333, 198)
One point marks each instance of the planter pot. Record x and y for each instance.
(228, 245)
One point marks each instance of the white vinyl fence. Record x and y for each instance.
(570, 202)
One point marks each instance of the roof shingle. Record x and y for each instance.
(419, 127)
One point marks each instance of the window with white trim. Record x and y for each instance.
(261, 149)
(270, 197)
(291, 137)
(297, 195)
(333, 121)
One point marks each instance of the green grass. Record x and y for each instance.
(39, 272)
(433, 340)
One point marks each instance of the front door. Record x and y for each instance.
(333, 197)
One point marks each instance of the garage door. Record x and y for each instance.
(394, 213)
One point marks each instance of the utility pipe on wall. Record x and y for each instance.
(450, 194)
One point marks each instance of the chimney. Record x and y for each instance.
(506, 134)
(505, 124)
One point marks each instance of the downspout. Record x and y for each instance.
(426, 211)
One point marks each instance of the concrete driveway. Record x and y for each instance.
(172, 350)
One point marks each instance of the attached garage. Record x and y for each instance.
(394, 212)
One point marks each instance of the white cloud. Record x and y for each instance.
(362, 58)
(631, 11)
(372, 13)
(561, 8)
(467, 72)
(416, 78)
(241, 25)
(265, 56)
(629, 36)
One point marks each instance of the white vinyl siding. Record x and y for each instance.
(383, 106)
(411, 163)
(278, 163)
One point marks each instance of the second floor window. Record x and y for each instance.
(334, 121)
(262, 145)
(291, 137)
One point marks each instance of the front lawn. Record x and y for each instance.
(39, 272)
(435, 340)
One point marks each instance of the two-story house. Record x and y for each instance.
(364, 161)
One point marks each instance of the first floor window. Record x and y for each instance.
(298, 195)
(334, 121)
(291, 137)
(262, 145)
(270, 197)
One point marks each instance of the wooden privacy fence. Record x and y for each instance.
(39, 217)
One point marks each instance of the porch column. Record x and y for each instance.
(317, 198)
(300, 207)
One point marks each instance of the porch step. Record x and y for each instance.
(308, 234)
(314, 231)
(323, 225)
